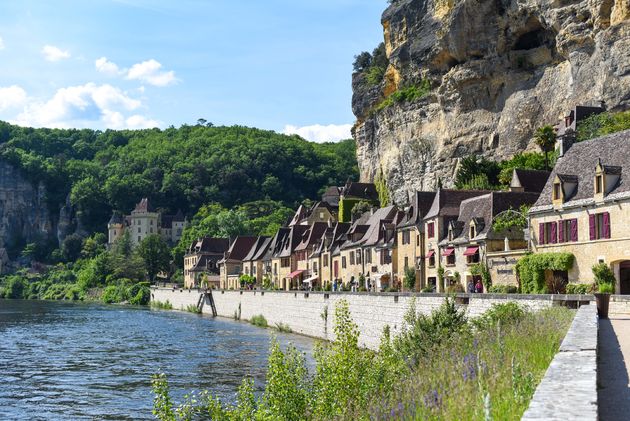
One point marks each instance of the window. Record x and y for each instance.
(430, 230)
(473, 258)
(321, 215)
(599, 184)
(548, 233)
(406, 237)
(417, 239)
(325, 262)
(139, 230)
(315, 267)
(432, 261)
(343, 262)
(151, 230)
(386, 257)
(472, 231)
(599, 226)
(567, 231)
(351, 258)
(450, 260)
(151, 222)
(368, 256)
(406, 262)
(285, 262)
(358, 257)
(275, 268)
(253, 270)
(139, 239)
(556, 191)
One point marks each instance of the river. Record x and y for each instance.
(89, 361)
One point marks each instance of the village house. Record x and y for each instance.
(443, 210)
(326, 253)
(284, 261)
(380, 255)
(585, 206)
(271, 269)
(353, 193)
(309, 269)
(201, 262)
(410, 238)
(470, 239)
(145, 221)
(231, 266)
(253, 264)
(569, 124)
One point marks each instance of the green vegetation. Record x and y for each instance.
(531, 270)
(409, 93)
(410, 278)
(191, 308)
(604, 278)
(480, 269)
(441, 366)
(259, 320)
(182, 168)
(603, 124)
(545, 138)
(511, 219)
(381, 188)
(283, 327)
(579, 288)
(373, 66)
(159, 305)
(503, 289)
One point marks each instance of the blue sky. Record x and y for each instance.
(283, 65)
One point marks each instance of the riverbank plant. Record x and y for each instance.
(259, 320)
(191, 308)
(442, 366)
(162, 305)
(283, 327)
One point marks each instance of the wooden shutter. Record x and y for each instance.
(561, 231)
(591, 226)
(554, 233)
(541, 233)
(606, 218)
(574, 229)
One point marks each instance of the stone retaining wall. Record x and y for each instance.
(312, 313)
(569, 389)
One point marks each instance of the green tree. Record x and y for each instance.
(156, 255)
(545, 138)
(410, 278)
(71, 247)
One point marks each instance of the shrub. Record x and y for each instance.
(191, 308)
(284, 328)
(428, 288)
(606, 288)
(259, 320)
(15, 286)
(603, 274)
(407, 94)
(503, 289)
(531, 270)
(139, 293)
(502, 314)
(578, 288)
(480, 269)
(162, 305)
(410, 278)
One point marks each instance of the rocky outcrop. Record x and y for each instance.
(498, 69)
(24, 214)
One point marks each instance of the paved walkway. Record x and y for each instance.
(613, 368)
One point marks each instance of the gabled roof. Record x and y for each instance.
(420, 205)
(446, 201)
(291, 240)
(275, 245)
(258, 249)
(143, 206)
(371, 227)
(365, 191)
(300, 214)
(580, 162)
(202, 263)
(210, 245)
(529, 180)
(239, 248)
(179, 216)
(311, 235)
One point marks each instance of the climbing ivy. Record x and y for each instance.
(531, 270)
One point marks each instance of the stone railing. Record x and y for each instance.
(569, 389)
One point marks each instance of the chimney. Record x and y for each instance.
(566, 141)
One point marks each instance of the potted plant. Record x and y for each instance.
(605, 280)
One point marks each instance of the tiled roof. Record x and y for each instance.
(239, 248)
(311, 235)
(144, 206)
(116, 218)
(292, 239)
(360, 190)
(275, 246)
(258, 249)
(446, 202)
(210, 245)
(421, 204)
(370, 227)
(580, 162)
(530, 180)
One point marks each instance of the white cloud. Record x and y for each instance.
(319, 133)
(107, 67)
(1, 44)
(52, 53)
(12, 97)
(88, 105)
(149, 71)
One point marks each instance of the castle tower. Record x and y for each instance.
(115, 227)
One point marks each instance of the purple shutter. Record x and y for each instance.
(561, 231)
(554, 233)
(591, 227)
(574, 229)
(541, 233)
(606, 217)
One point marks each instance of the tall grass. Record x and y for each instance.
(259, 320)
(159, 305)
(441, 366)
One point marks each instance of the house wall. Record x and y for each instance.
(351, 270)
(190, 260)
(432, 244)
(143, 224)
(305, 313)
(413, 251)
(588, 252)
(502, 266)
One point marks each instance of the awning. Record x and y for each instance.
(448, 252)
(295, 273)
(309, 280)
(430, 254)
(471, 251)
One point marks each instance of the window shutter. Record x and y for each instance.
(561, 231)
(541, 233)
(574, 229)
(591, 226)
(554, 233)
(606, 218)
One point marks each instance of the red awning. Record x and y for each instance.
(295, 273)
(471, 251)
(448, 252)
(430, 254)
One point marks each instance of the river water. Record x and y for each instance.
(89, 361)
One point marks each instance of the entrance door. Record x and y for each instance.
(624, 277)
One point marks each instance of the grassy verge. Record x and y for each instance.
(441, 366)
(159, 305)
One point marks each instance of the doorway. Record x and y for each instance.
(624, 277)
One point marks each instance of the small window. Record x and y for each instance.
(321, 215)
(139, 231)
(417, 239)
(430, 230)
(599, 184)
(450, 260)
(556, 191)
(343, 262)
(325, 262)
(406, 262)
(368, 256)
(432, 261)
(358, 257)
(352, 258)
(472, 231)
(139, 239)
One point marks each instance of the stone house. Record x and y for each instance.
(309, 267)
(584, 209)
(326, 255)
(284, 261)
(144, 221)
(231, 266)
(353, 193)
(271, 269)
(201, 261)
(443, 210)
(380, 255)
(528, 180)
(411, 238)
(471, 238)
(253, 264)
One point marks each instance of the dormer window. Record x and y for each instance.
(599, 184)
(556, 191)
(606, 179)
(472, 231)
(564, 187)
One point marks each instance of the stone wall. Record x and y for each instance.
(305, 313)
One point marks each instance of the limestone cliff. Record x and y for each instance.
(498, 69)
(24, 214)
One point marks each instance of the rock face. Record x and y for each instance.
(498, 69)
(24, 214)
